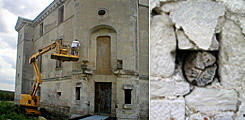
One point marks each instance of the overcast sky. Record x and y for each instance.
(9, 11)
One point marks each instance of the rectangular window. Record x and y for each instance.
(61, 15)
(127, 93)
(78, 93)
(58, 94)
(58, 64)
(41, 29)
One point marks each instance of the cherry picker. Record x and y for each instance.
(30, 101)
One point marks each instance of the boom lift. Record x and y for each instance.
(31, 101)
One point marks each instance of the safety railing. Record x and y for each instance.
(64, 47)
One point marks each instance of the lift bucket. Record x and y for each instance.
(64, 53)
(63, 57)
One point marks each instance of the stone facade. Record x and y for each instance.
(123, 22)
(197, 59)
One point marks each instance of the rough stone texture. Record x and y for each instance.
(162, 45)
(204, 99)
(154, 3)
(173, 86)
(239, 19)
(170, 6)
(204, 26)
(220, 24)
(214, 45)
(235, 6)
(241, 109)
(198, 20)
(164, 109)
(231, 56)
(225, 116)
(200, 68)
(198, 116)
(184, 43)
(217, 116)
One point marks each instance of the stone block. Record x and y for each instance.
(231, 56)
(173, 86)
(198, 19)
(239, 19)
(163, 46)
(167, 109)
(206, 100)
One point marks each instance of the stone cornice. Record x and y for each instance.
(48, 10)
(21, 22)
(52, 7)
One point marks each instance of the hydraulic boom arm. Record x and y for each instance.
(33, 60)
(31, 101)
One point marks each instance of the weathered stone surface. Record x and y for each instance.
(239, 19)
(206, 100)
(241, 109)
(198, 20)
(173, 86)
(232, 57)
(212, 116)
(184, 43)
(235, 6)
(214, 45)
(198, 116)
(220, 24)
(225, 116)
(170, 6)
(154, 3)
(162, 45)
(200, 68)
(167, 109)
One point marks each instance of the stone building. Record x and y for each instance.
(197, 59)
(111, 76)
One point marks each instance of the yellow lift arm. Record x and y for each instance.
(31, 101)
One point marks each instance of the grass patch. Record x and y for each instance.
(9, 111)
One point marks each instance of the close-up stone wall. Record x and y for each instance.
(197, 60)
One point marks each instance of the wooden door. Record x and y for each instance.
(103, 98)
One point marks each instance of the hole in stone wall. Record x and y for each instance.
(101, 12)
(199, 67)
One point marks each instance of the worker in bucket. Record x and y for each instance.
(74, 46)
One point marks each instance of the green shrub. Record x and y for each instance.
(9, 111)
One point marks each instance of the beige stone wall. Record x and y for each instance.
(23, 74)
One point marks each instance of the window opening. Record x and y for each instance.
(127, 93)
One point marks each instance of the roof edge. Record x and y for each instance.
(49, 9)
(21, 22)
